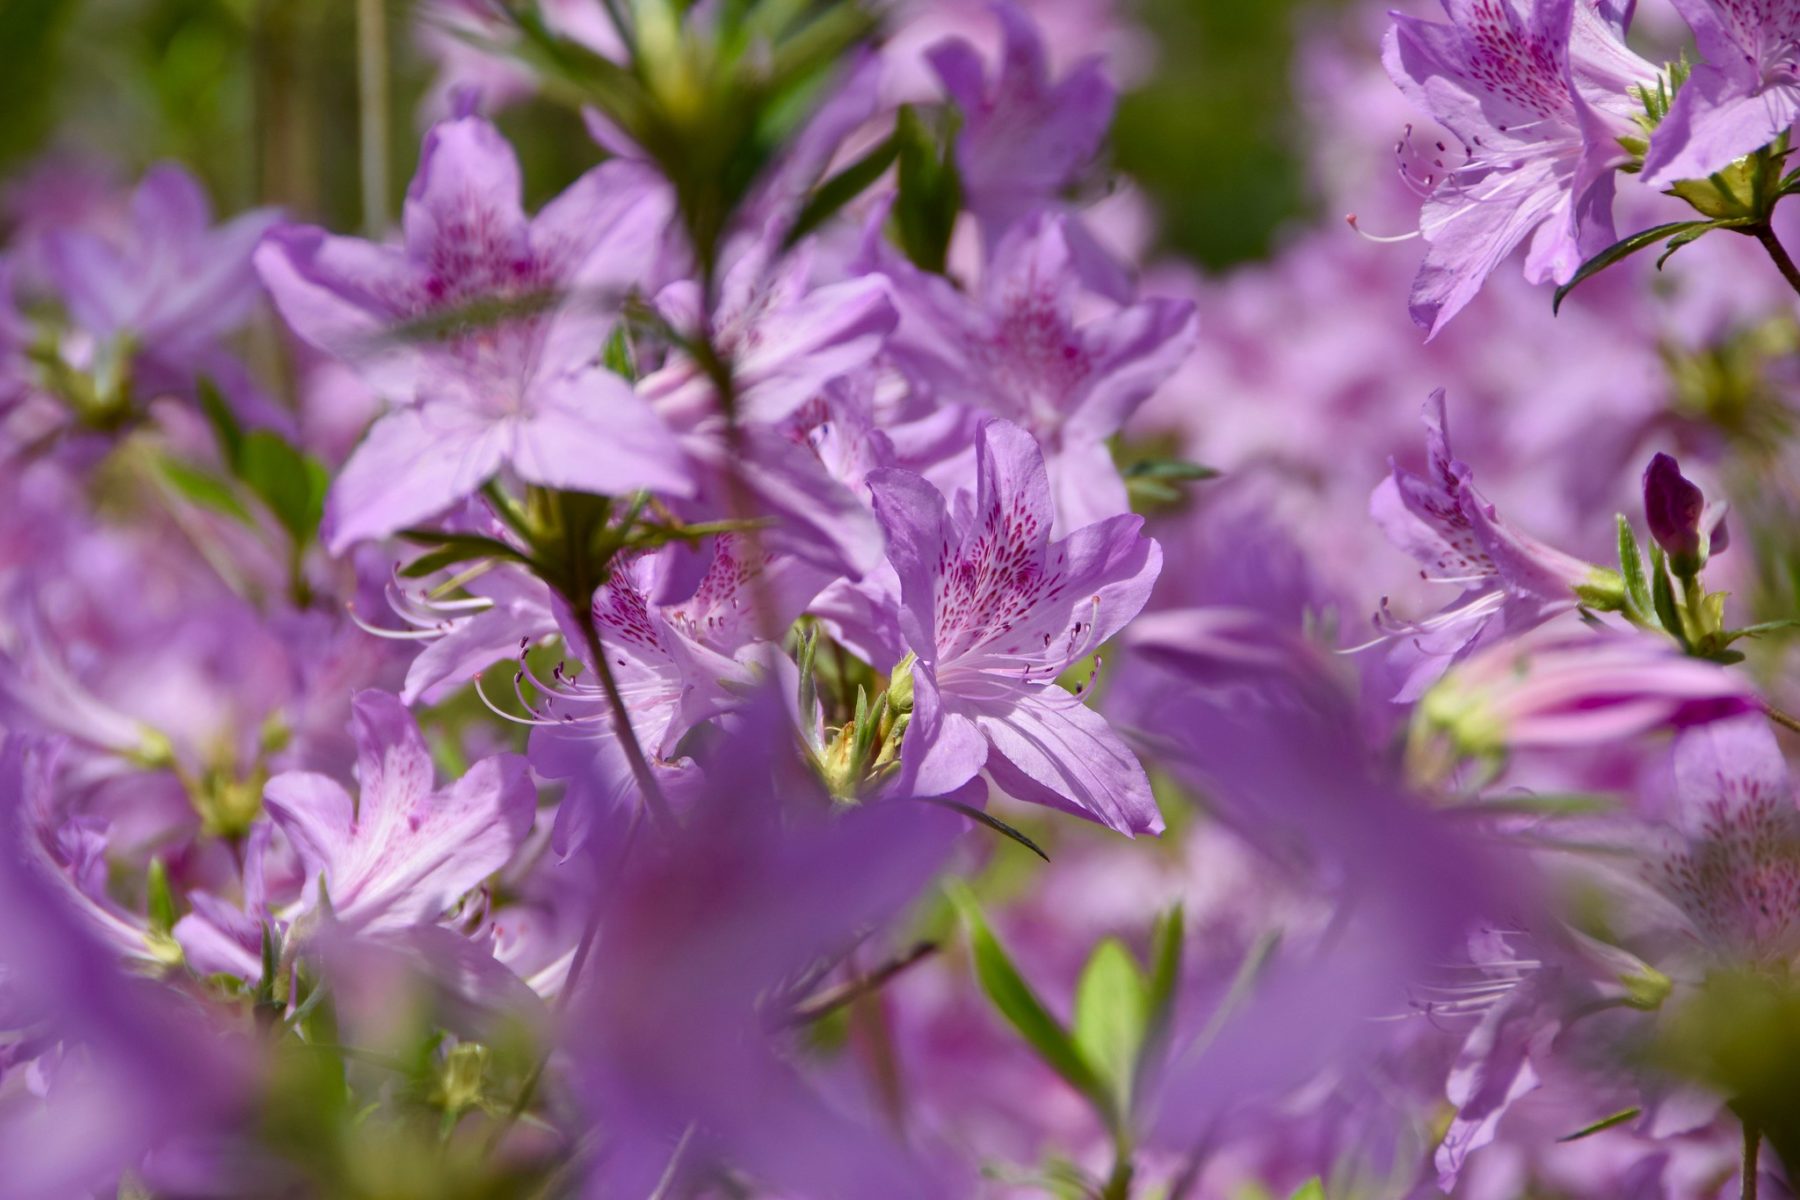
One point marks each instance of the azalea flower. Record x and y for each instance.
(1745, 95)
(1586, 687)
(1538, 92)
(170, 281)
(118, 1065)
(1041, 346)
(1731, 860)
(788, 340)
(402, 853)
(522, 389)
(1024, 138)
(995, 612)
(677, 665)
(1511, 581)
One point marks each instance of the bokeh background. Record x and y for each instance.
(260, 97)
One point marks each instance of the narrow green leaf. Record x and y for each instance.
(991, 821)
(1621, 250)
(831, 196)
(204, 489)
(448, 549)
(1631, 566)
(224, 423)
(1312, 1189)
(1112, 1016)
(618, 358)
(1015, 1000)
(1618, 1118)
(1170, 469)
(1664, 593)
(161, 900)
(1166, 946)
(1552, 804)
(930, 189)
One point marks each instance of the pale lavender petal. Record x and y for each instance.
(1714, 120)
(414, 464)
(1061, 753)
(592, 433)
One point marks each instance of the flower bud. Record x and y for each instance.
(1680, 520)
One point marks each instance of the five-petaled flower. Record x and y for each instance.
(995, 612)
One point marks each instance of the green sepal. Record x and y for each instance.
(1663, 593)
(1640, 605)
(161, 901)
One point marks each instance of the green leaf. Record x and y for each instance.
(1015, 1000)
(1172, 469)
(1618, 1118)
(1664, 594)
(930, 192)
(453, 549)
(1621, 250)
(204, 489)
(226, 430)
(161, 900)
(1112, 1011)
(1166, 945)
(1631, 565)
(1312, 1189)
(832, 195)
(1541, 804)
(292, 484)
(1683, 239)
(991, 821)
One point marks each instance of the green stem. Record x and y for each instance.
(1752, 1146)
(654, 800)
(1118, 1184)
(1778, 254)
(372, 113)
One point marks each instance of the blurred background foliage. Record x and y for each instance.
(260, 97)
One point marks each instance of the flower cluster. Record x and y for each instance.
(814, 666)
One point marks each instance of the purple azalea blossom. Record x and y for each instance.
(1024, 139)
(525, 392)
(404, 852)
(139, 1069)
(677, 665)
(995, 611)
(1732, 860)
(172, 283)
(788, 340)
(1512, 582)
(1039, 347)
(1745, 95)
(1538, 93)
(1553, 688)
